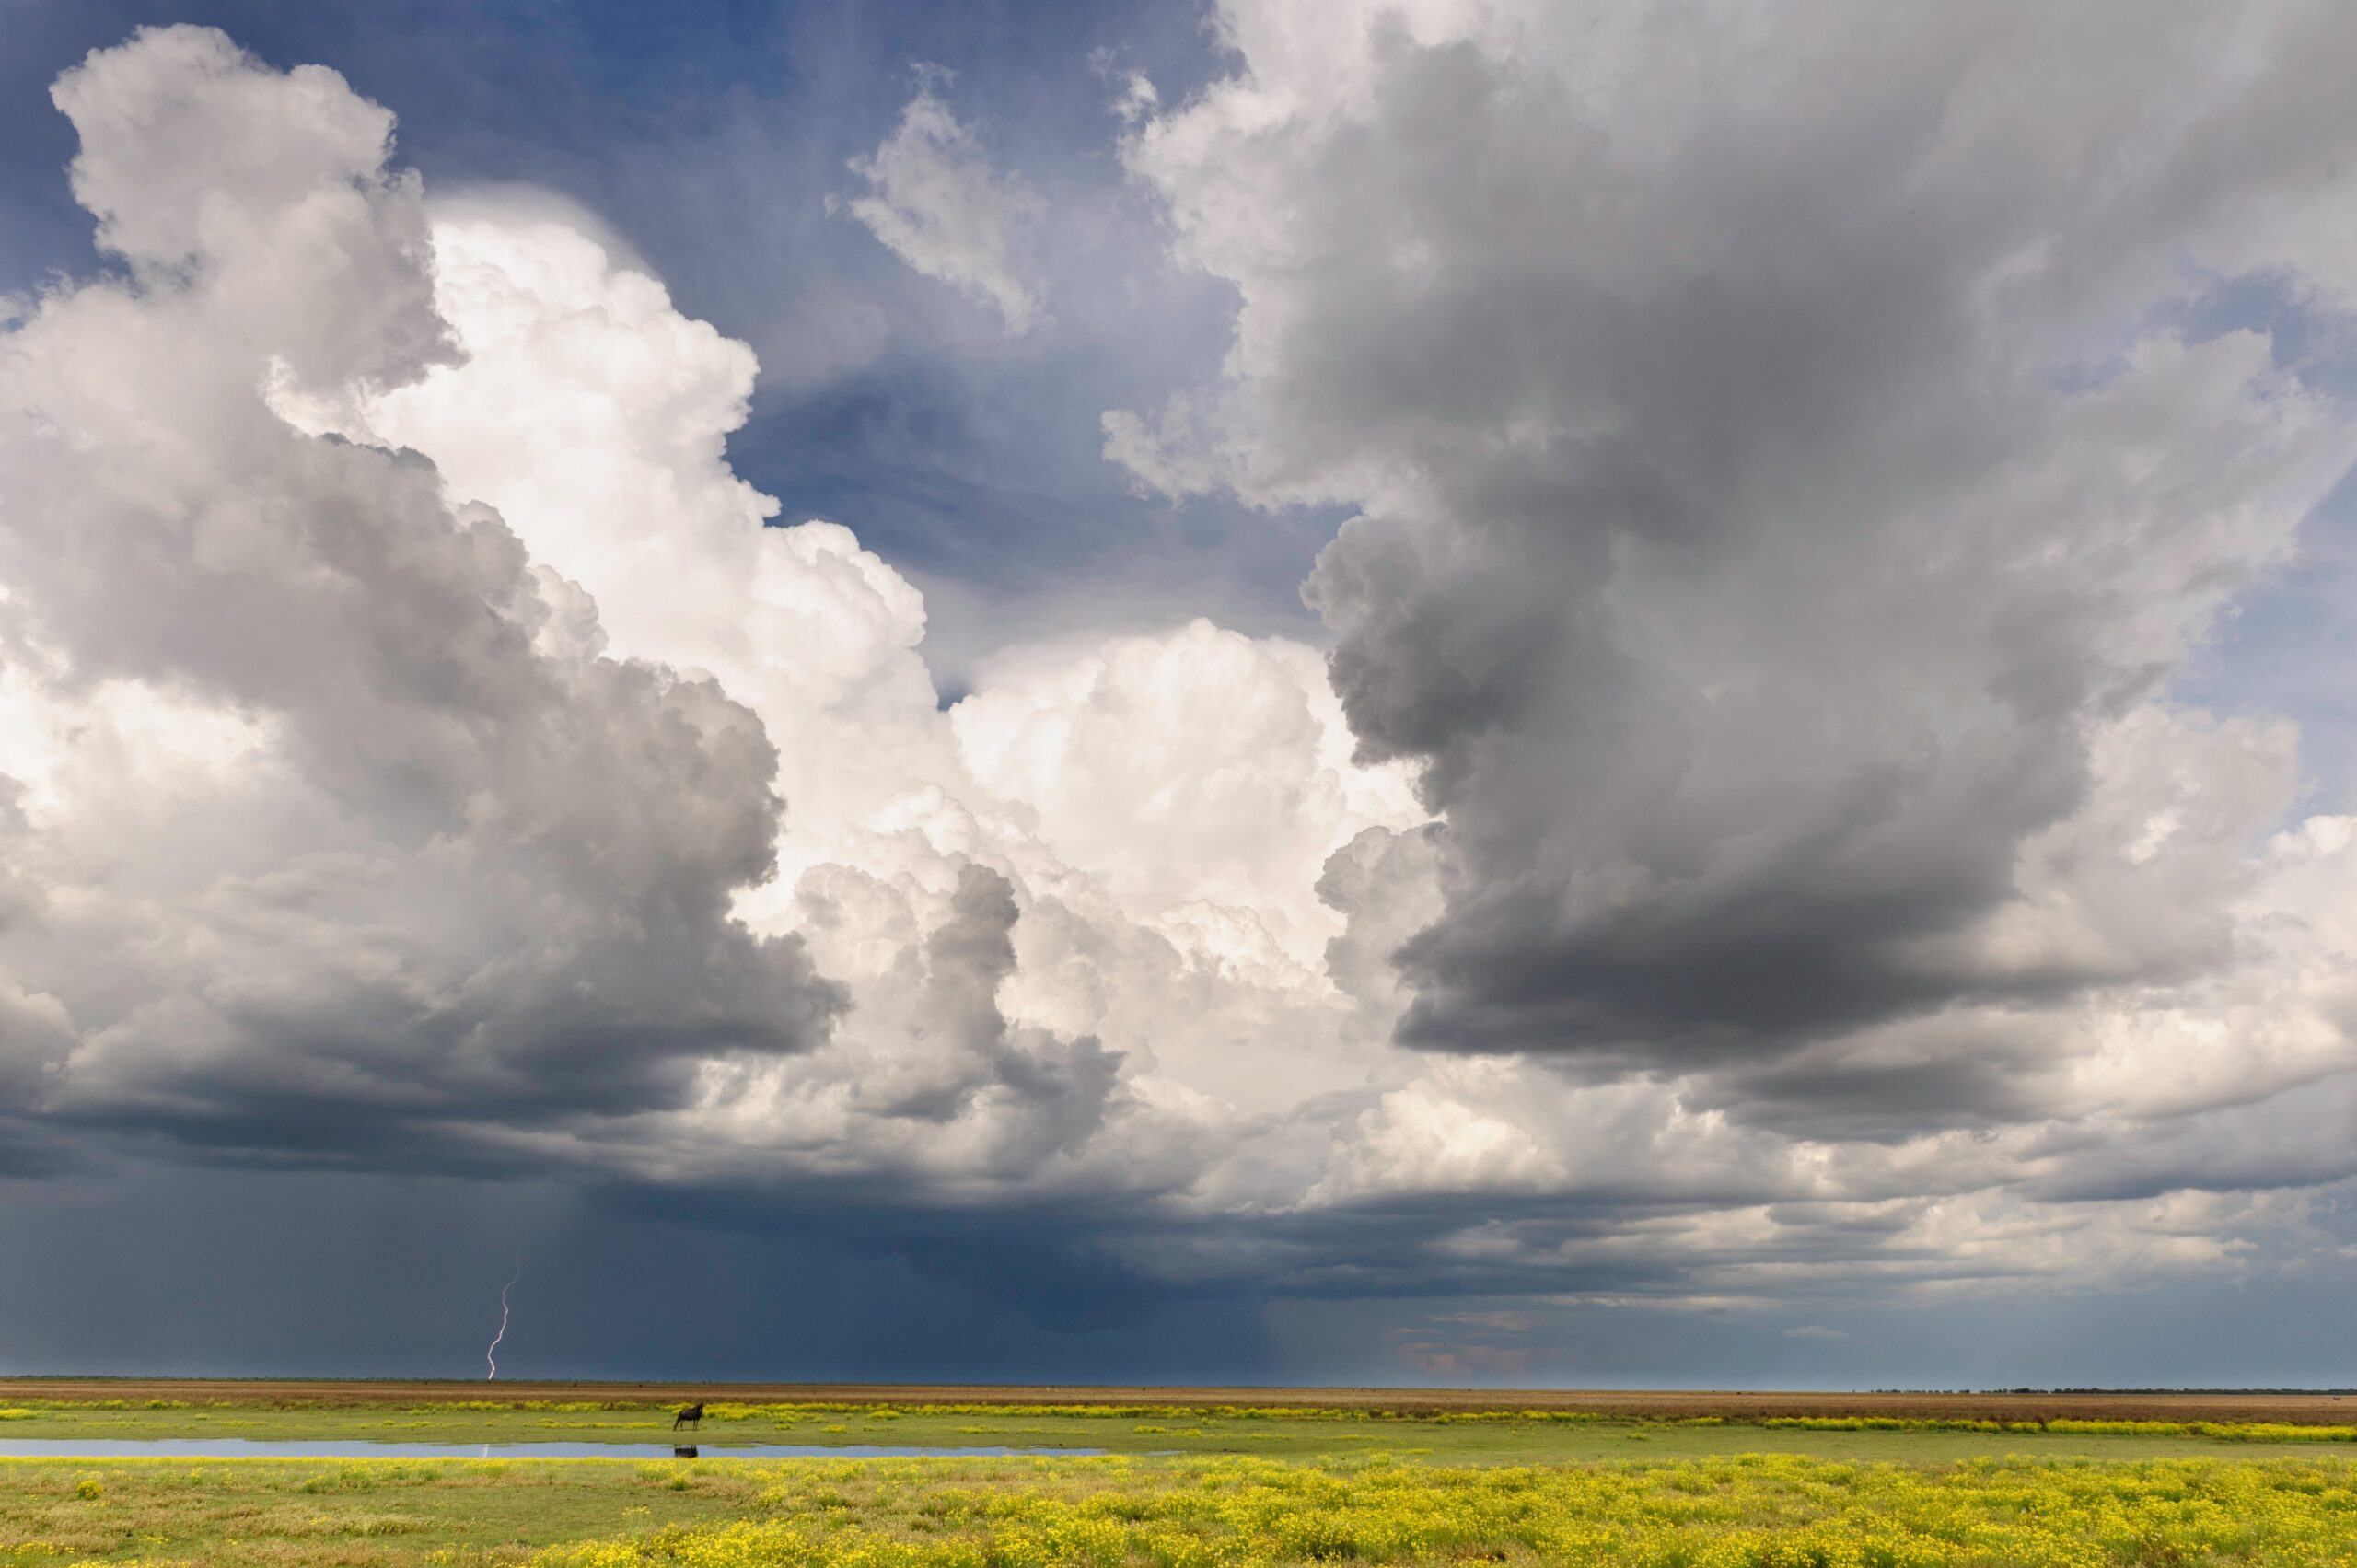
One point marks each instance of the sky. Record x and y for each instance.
(1463, 692)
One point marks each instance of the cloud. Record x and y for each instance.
(1743, 844)
(332, 832)
(937, 203)
(1135, 944)
(1766, 593)
(423, 750)
(1188, 768)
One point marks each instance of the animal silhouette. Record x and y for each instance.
(691, 1415)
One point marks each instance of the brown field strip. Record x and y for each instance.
(2322, 1408)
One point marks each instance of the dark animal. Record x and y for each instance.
(691, 1415)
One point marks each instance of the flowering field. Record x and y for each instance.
(1776, 1511)
(1766, 1511)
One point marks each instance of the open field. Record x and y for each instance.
(2314, 1409)
(1757, 1512)
(1298, 1432)
(1187, 1484)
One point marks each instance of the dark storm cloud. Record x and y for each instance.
(1947, 1087)
(1735, 556)
(373, 1276)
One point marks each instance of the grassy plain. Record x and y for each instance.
(1650, 1404)
(1199, 1484)
(1279, 1433)
(1758, 1511)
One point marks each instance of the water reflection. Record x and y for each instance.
(263, 1448)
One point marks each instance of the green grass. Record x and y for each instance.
(1185, 1489)
(1295, 1434)
(296, 1512)
(1756, 1511)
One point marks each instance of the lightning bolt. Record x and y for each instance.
(503, 1325)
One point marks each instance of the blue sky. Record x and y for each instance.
(709, 138)
(1587, 710)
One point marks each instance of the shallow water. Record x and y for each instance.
(261, 1448)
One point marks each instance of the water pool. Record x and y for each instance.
(264, 1448)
